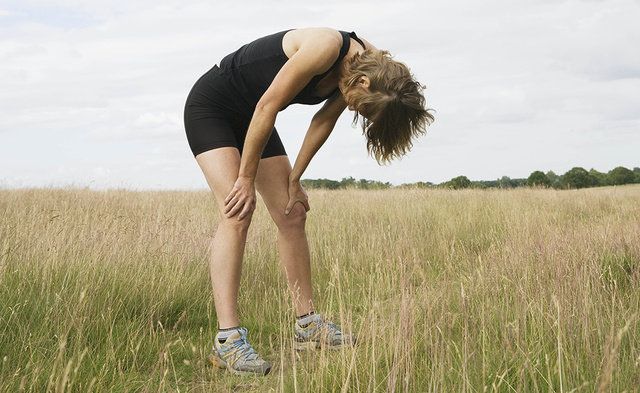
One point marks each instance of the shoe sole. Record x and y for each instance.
(221, 364)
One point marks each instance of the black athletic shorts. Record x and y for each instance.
(216, 116)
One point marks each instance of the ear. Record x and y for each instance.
(364, 81)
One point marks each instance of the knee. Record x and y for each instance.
(240, 226)
(295, 220)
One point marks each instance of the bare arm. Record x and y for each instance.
(321, 127)
(285, 86)
(310, 59)
(258, 133)
(319, 130)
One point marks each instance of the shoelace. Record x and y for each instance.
(245, 349)
(329, 327)
(333, 327)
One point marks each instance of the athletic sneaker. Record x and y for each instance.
(238, 356)
(320, 333)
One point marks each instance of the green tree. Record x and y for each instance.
(555, 179)
(505, 182)
(486, 183)
(365, 184)
(621, 175)
(321, 183)
(636, 170)
(538, 178)
(577, 177)
(459, 182)
(347, 182)
(419, 184)
(600, 179)
(423, 184)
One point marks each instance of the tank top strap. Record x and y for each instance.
(355, 37)
(343, 50)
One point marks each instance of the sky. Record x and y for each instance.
(92, 92)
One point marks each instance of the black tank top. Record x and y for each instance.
(250, 69)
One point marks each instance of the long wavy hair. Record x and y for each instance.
(393, 111)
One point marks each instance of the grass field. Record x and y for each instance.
(516, 290)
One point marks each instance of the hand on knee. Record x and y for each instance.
(295, 219)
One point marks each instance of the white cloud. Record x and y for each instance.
(517, 86)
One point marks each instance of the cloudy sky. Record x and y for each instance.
(92, 92)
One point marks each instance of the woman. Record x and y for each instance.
(229, 120)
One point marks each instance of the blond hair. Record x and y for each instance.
(393, 110)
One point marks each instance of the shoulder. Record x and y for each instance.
(320, 38)
(315, 53)
(322, 34)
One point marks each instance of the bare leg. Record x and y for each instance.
(220, 167)
(272, 182)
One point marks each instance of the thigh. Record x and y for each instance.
(220, 167)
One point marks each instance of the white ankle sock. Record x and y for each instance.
(224, 334)
(305, 320)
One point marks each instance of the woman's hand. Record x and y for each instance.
(296, 194)
(242, 198)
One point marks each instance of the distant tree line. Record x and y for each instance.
(346, 182)
(577, 177)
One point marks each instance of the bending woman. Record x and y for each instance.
(229, 118)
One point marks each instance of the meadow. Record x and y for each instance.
(448, 291)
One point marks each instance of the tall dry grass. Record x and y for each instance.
(521, 290)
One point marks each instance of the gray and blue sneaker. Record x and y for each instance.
(320, 333)
(238, 356)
